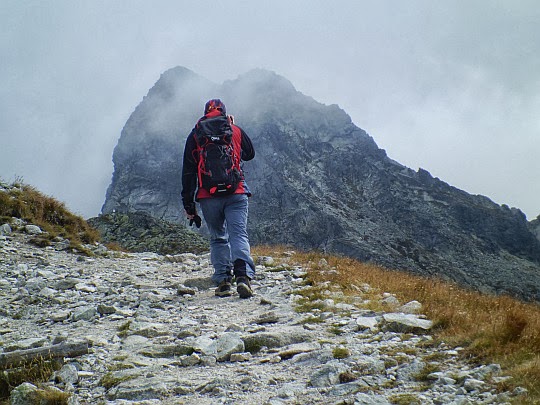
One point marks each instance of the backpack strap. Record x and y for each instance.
(237, 148)
(199, 156)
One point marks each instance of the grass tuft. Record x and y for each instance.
(35, 373)
(404, 399)
(123, 330)
(109, 380)
(347, 377)
(51, 396)
(340, 352)
(428, 368)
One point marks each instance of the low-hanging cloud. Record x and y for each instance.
(448, 86)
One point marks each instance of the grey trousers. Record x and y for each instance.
(226, 218)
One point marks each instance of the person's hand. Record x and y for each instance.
(191, 213)
(190, 209)
(197, 219)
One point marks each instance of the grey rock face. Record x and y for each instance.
(140, 232)
(5, 229)
(535, 227)
(320, 182)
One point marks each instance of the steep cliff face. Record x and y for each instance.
(534, 226)
(320, 182)
(147, 159)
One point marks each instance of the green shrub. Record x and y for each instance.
(340, 352)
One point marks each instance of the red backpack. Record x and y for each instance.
(219, 152)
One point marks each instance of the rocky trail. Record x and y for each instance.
(152, 331)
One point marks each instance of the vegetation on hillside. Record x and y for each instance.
(22, 201)
(490, 329)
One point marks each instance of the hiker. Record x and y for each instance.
(212, 176)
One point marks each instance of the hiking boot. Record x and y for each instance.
(243, 287)
(224, 289)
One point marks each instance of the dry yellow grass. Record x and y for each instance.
(39, 371)
(25, 202)
(494, 329)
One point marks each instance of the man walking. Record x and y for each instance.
(212, 175)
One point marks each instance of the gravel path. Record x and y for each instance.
(157, 334)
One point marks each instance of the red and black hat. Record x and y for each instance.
(214, 104)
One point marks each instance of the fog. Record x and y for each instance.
(449, 86)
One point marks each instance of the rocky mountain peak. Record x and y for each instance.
(262, 80)
(320, 182)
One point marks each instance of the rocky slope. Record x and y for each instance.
(320, 182)
(144, 328)
(140, 232)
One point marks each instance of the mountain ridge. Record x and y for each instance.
(335, 189)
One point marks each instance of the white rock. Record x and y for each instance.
(68, 374)
(26, 344)
(149, 329)
(23, 394)
(297, 348)
(48, 292)
(406, 323)
(208, 361)
(390, 301)
(190, 360)
(327, 375)
(472, 384)
(46, 274)
(370, 399)
(239, 357)
(412, 307)
(265, 260)
(518, 391)
(33, 229)
(205, 345)
(60, 316)
(5, 229)
(228, 344)
(367, 322)
(345, 307)
(85, 288)
(86, 313)
(287, 353)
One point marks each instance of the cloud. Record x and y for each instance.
(450, 86)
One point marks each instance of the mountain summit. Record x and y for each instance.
(320, 182)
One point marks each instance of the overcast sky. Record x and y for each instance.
(449, 86)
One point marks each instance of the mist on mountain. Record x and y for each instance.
(320, 182)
